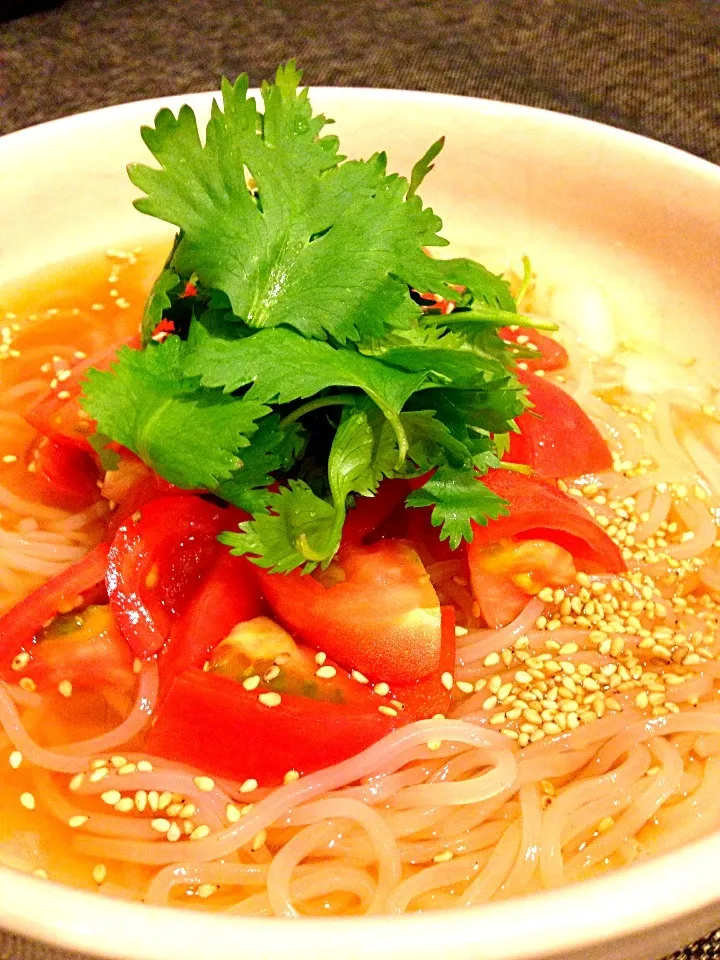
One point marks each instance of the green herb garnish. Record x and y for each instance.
(303, 354)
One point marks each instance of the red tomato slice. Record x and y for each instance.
(381, 616)
(19, 626)
(227, 595)
(130, 487)
(57, 413)
(71, 474)
(557, 438)
(500, 600)
(369, 513)
(553, 355)
(156, 562)
(213, 724)
(86, 649)
(429, 696)
(540, 511)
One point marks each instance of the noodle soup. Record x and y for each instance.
(557, 776)
(457, 653)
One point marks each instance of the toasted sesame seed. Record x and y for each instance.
(200, 832)
(387, 711)
(99, 873)
(443, 857)
(204, 784)
(291, 776)
(258, 840)
(326, 673)
(270, 699)
(605, 824)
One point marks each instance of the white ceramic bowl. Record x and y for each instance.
(589, 204)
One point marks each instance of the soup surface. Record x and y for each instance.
(581, 726)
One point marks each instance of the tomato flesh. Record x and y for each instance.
(20, 626)
(71, 474)
(557, 438)
(541, 511)
(226, 596)
(553, 355)
(381, 616)
(155, 563)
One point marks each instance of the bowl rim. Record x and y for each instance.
(637, 898)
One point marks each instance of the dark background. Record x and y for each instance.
(649, 66)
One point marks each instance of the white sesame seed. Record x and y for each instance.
(77, 820)
(206, 890)
(359, 677)
(27, 800)
(232, 813)
(15, 759)
(326, 673)
(174, 833)
(387, 711)
(248, 786)
(99, 873)
(258, 840)
(447, 680)
(160, 824)
(204, 784)
(381, 689)
(320, 658)
(291, 776)
(270, 699)
(443, 857)
(251, 683)
(200, 832)
(111, 797)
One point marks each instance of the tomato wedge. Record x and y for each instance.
(557, 438)
(212, 723)
(540, 511)
(130, 487)
(553, 355)
(370, 513)
(379, 614)
(71, 474)
(20, 626)
(227, 595)
(57, 412)
(155, 563)
(250, 739)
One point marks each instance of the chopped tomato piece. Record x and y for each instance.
(506, 573)
(429, 696)
(155, 563)
(57, 413)
(553, 355)
(213, 723)
(227, 595)
(369, 513)
(130, 487)
(374, 610)
(20, 626)
(540, 511)
(84, 648)
(71, 474)
(557, 438)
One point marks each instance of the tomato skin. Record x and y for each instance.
(541, 511)
(382, 619)
(500, 600)
(227, 595)
(562, 441)
(156, 562)
(212, 723)
(71, 474)
(19, 626)
(130, 487)
(62, 418)
(553, 355)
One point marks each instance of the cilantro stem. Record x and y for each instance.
(339, 400)
(526, 280)
(497, 317)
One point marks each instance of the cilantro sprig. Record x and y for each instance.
(303, 368)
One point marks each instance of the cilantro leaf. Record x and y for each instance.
(423, 167)
(272, 449)
(304, 529)
(457, 498)
(188, 434)
(325, 247)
